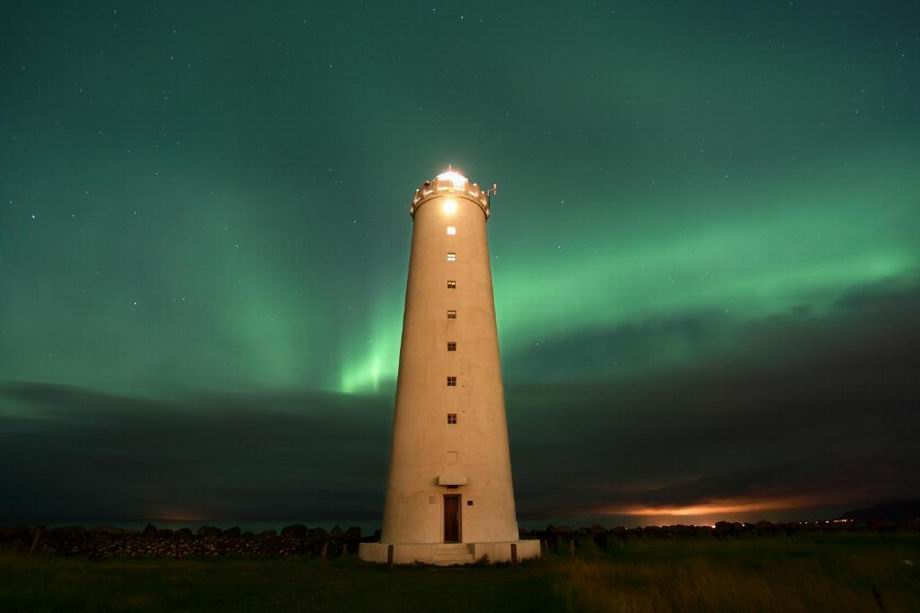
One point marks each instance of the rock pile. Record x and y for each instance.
(563, 539)
(300, 541)
(110, 542)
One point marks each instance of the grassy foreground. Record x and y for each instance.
(834, 572)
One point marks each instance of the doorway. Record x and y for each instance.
(451, 518)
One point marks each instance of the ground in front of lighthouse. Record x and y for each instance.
(829, 572)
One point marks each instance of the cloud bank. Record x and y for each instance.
(804, 412)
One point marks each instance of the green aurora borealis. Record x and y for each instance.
(213, 198)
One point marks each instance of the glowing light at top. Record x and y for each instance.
(455, 178)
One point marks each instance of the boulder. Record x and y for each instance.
(351, 538)
(352, 535)
(318, 541)
(723, 528)
(67, 531)
(109, 530)
(294, 531)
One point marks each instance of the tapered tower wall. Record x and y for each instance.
(426, 448)
(450, 498)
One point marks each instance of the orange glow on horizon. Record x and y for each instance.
(717, 507)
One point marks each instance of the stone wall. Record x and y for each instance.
(300, 541)
(563, 539)
(109, 542)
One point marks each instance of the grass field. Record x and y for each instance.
(833, 572)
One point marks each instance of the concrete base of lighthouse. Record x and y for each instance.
(449, 554)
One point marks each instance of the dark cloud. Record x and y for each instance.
(80, 454)
(820, 407)
(823, 412)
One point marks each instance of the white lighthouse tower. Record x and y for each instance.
(449, 497)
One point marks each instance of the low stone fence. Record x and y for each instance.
(110, 542)
(563, 539)
(300, 541)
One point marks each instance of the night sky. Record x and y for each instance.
(705, 251)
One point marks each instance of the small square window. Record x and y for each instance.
(451, 285)
(452, 418)
(451, 345)
(451, 230)
(469, 503)
(451, 381)
(451, 256)
(452, 315)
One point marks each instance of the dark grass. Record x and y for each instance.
(345, 584)
(820, 572)
(833, 572)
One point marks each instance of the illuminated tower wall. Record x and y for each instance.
(449, 494)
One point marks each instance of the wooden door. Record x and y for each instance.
(451, 518)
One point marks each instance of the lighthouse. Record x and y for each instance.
(449, 497)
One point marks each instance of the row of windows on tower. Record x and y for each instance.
(451, 314)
